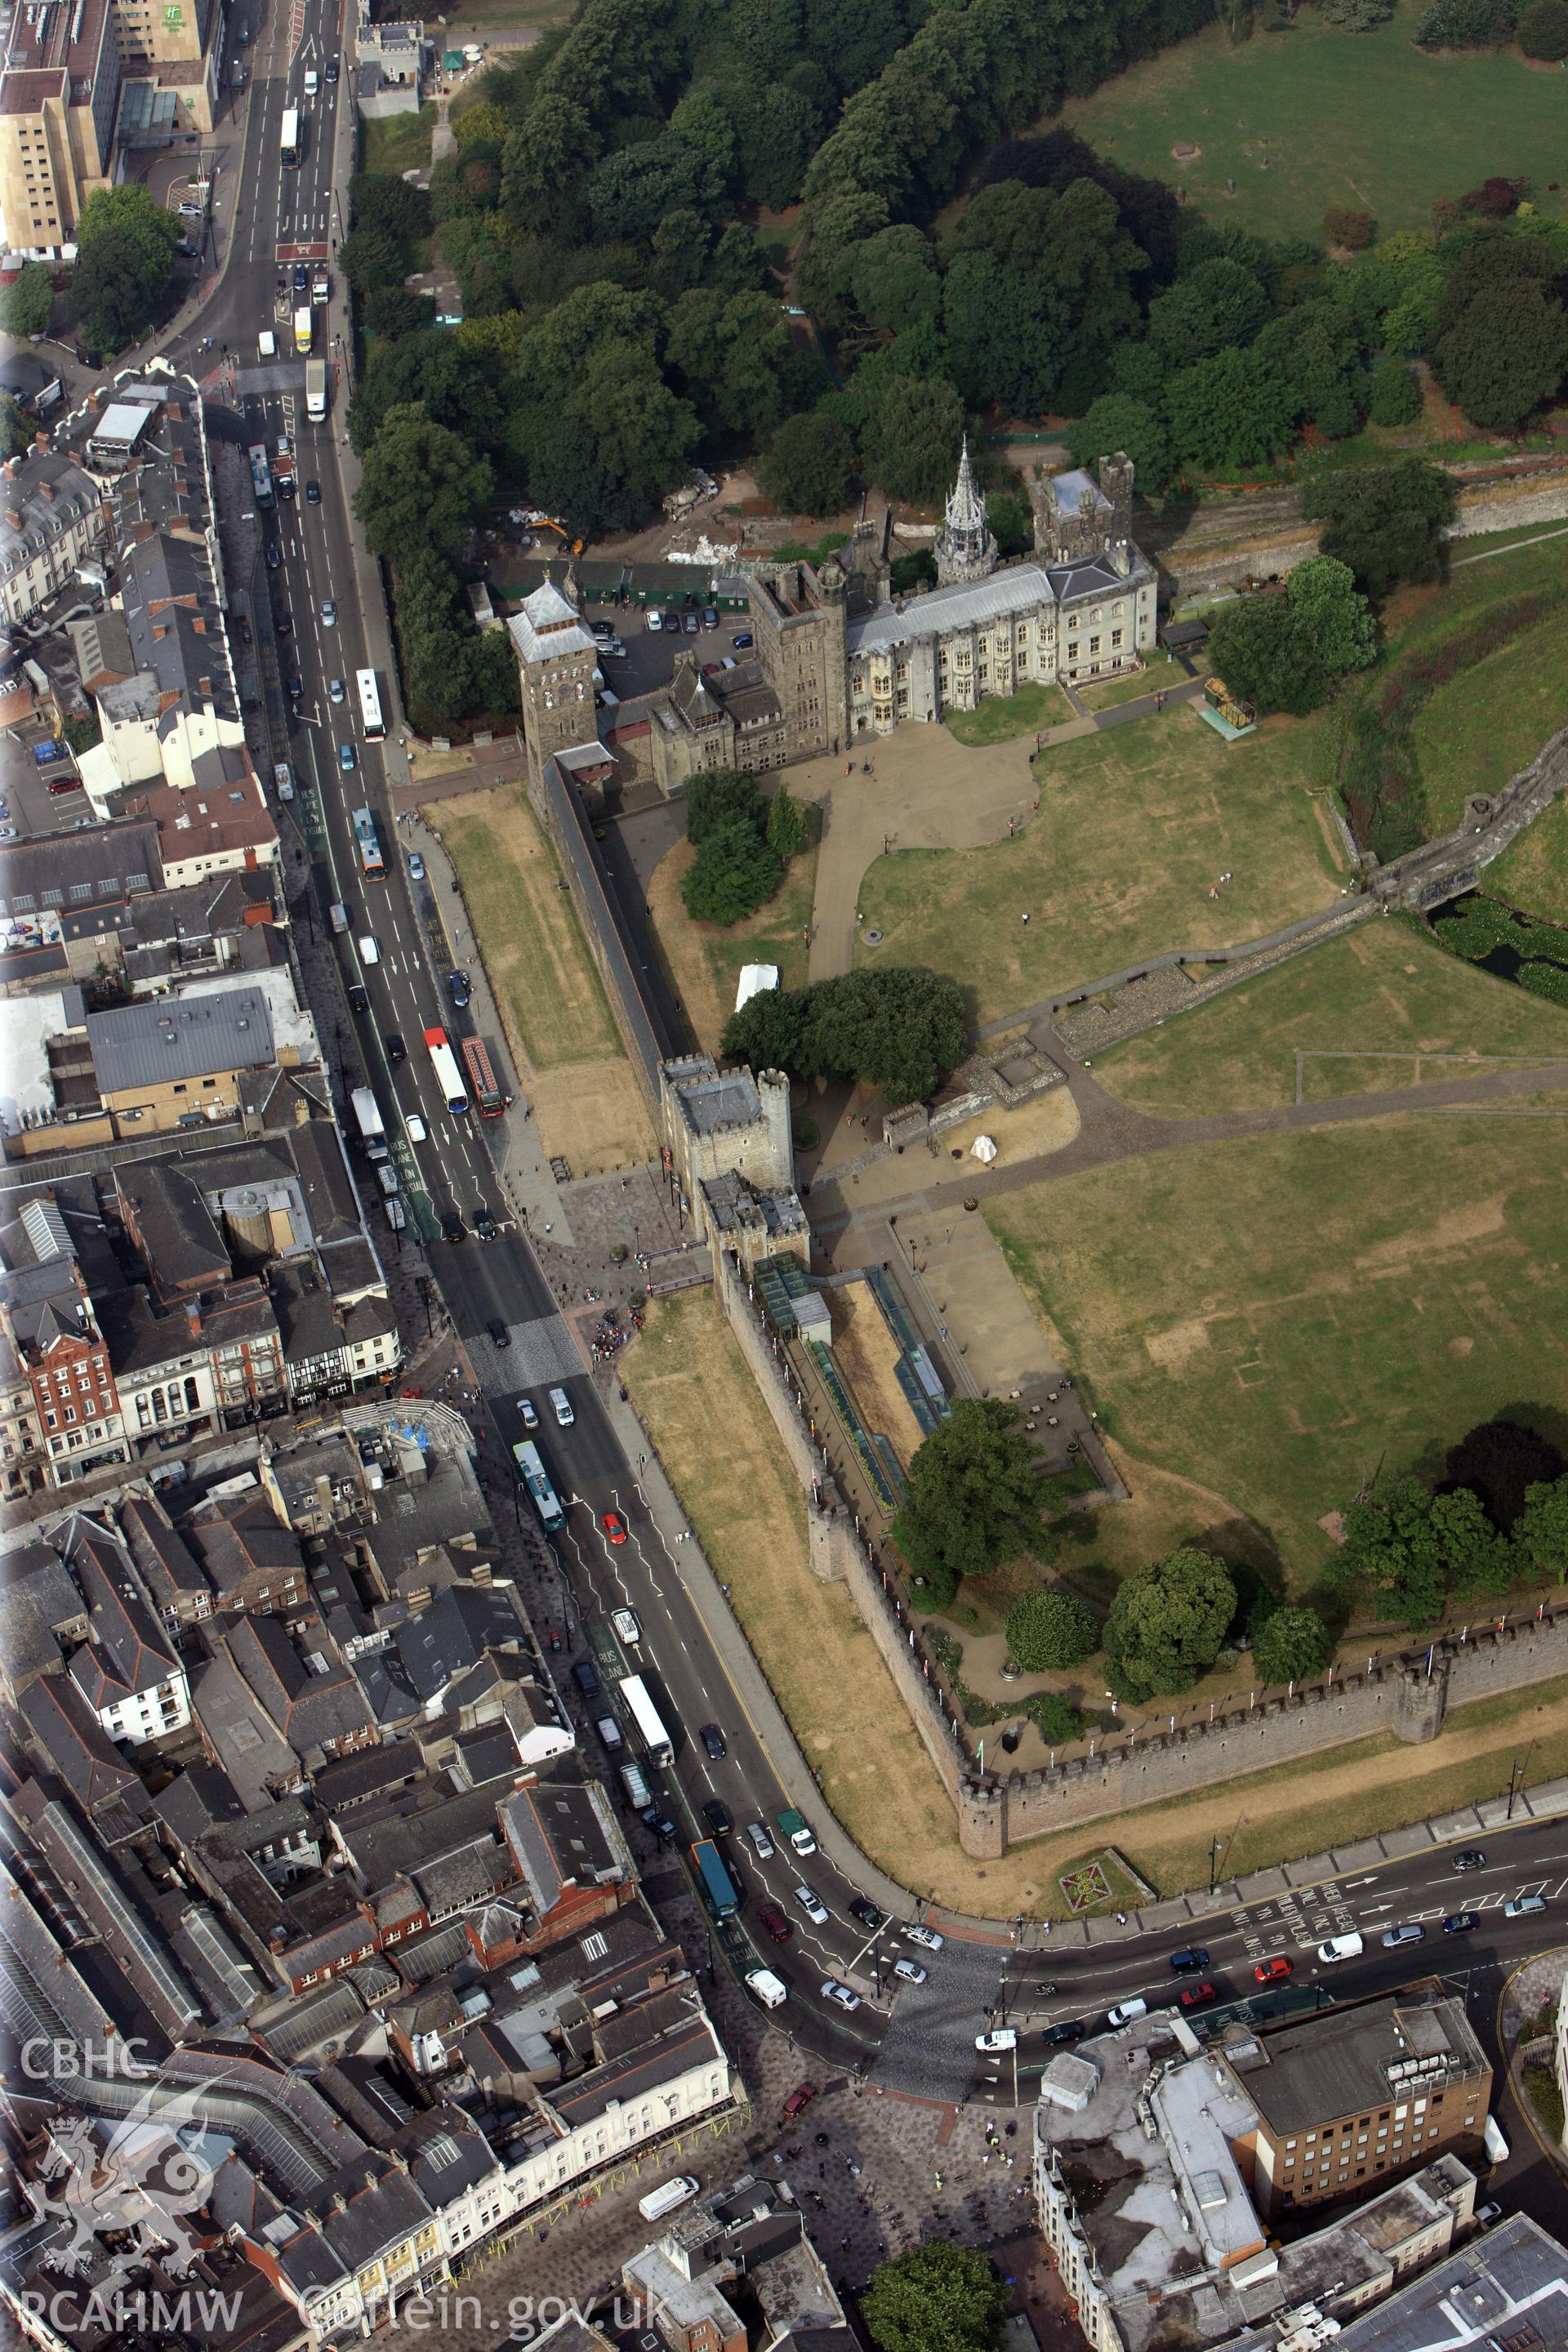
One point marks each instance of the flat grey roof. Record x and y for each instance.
(182, 1037)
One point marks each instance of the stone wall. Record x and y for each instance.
(1400, 1695)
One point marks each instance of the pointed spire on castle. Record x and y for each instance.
(965, 549)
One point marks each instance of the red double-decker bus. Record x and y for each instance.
(482, 1078)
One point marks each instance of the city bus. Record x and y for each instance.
(369, 857)
(542, 1493)
(718, 1886)
(370, 706)
(262, 476)
(656, 1740)
(482, 1078)
(291, 134)
(444, 1062)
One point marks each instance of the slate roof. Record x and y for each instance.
(36, 1596)
(559, 1836)
(128, 1655)
(184, 1038)
(548, 626)
(632, 2077)
(239, 1535)
(172, 619)
(73, 1743)
(453, 1633)
(165, 1560)
(309, 1709)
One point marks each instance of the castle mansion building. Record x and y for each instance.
(839, 659)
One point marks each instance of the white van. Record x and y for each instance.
(771, 1990)
(1341, 1948)
(267, 344)
(312, 81)
(395, 1215)
(634, 1784)
(666, 2197)
(1128, 2012)
(283, 781)
(388, 1177)
(369, 951)
(560, 1404)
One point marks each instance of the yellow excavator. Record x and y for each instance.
(1227, 706)
(574, 546)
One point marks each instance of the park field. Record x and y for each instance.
(1380, 1006)
(1272, 1316)
(1301, 120)
(551, 1002)
(1135, 826)
(703, 960)
(1533, 874)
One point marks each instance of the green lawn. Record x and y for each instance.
(399, 142)
(1134, 827)
(1484, 726)
(1273, 1315)
(1114, 691)
(999, 717)
(1533, 874)
(1379, 990)
(776, 934)
(1314, 117)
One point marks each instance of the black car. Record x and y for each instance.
(716, 1813)
(1190, 1961)
(458, 986)
(295, 684)
(866, 1912)
(498, 1333)
(282, 624)
(312, 494)
(585, 1675)
(396, 1051)
(1071, 2029)
(484, 1223)
(1471, 1859)
(1460, 1923)
(301, 278)
(452, 1225)
(662, 1826)
(274, 555)
(329, 71)
(357, 996)
(712, 1739)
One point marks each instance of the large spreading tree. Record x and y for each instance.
(1167, 1623)
(125, 261)
(938, 2297)
(973, 1499)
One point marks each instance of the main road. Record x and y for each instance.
(320, 610)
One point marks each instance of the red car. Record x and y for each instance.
(774, 1920)
(1198, 1996)
(1273, 1971)
(799, 2099)
(615, 1527)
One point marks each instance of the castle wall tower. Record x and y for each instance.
(555, 659)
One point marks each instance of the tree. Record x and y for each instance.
(1504, 354)
(1166, 1625)
(371, 258)
(421, 487)
(391, 311)
(1540, 1530)
(1052, 1629)
(125, 261)
(1384, 521)
(1280, 653)
(1231, 412)
(901, 1029)
(438, 649)
(1116, 421)
(568, 478)
(1329, 614)
(1396, 395)
(733, 873)
(775, 1032)
(26, 303)
(1218, 307)
(1351, 230)
(808, 466)
(786, 825)
(1291, 1646)
(15, 427)
(1501, 1461)
(972, 1498)
(1012, 520)
(453, 382)
(1544, 29)
(894, 278)
(380, 200)
(718, 796)
(912, 436)
(1392, 1549)
(1454, 23)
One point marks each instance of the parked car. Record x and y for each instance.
(585, 1675)
(1522, 1906)
(834, 1991)
(813, 1907)
(1409, 1934)
(662, 1826)
(416, 866)
(1472, 1858)
(866, 1911)
(525, 1406)
(1460, 1923)
(743, 641)
(718, 1816)
(609, 1732)
(1273, 1971)
(357, 997)
(1190, 1961)
(396, 1051)
(712, 1739)
(925, 1937)
(1071, 2029)
(458, 988)
(774, 1920)
(710, 617)
(1197, 1996)
(1001, 2038)
(615, 1527)
(911, 1971)
(799, 2099)
(484, 1223)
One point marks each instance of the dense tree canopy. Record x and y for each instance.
(26, 303)
(125, 261)
(1292, 1645)
(1283, 652)
(1166, 1625)
(898, 1028)
(422, 488)
(1052, 1629)
(973, 1499)
(938, 2297)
